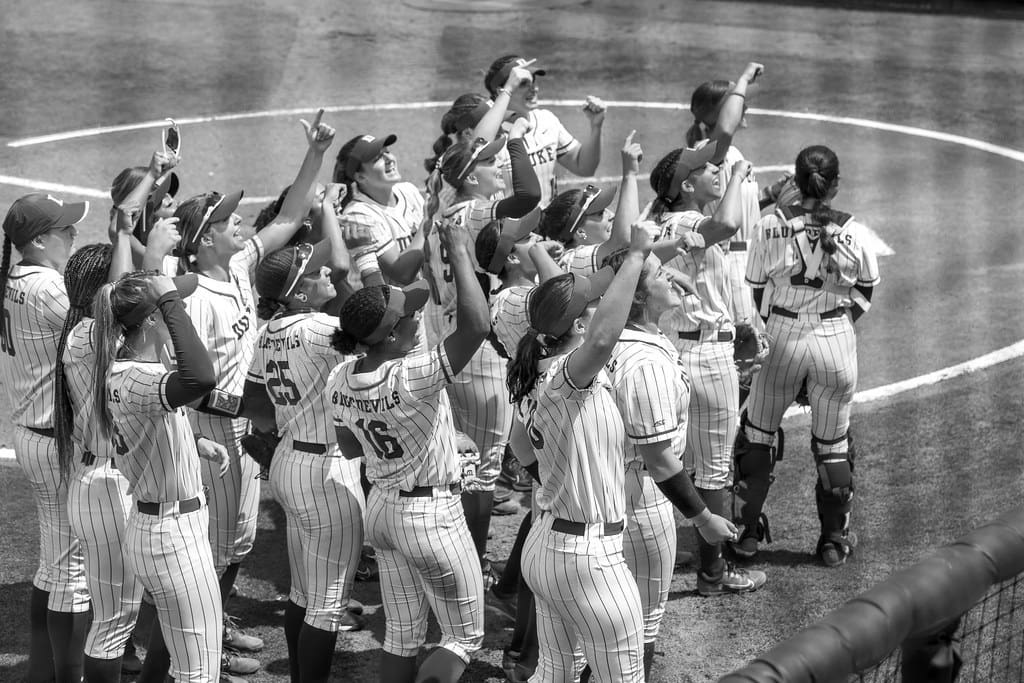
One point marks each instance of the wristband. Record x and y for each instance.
(367, 262)
(701, 519)
(505, 90)
(737, 94)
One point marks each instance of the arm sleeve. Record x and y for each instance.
(525, 186)
(649, 405)
(194, 377)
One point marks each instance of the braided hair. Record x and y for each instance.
(661, 179)
(355, 307)
(817, 170)
(5, 268)
(86, 271)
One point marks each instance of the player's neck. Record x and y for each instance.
(382, 194)
(214, 266)
(643, 325)
(32, 256)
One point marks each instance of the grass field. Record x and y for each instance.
(933, 462)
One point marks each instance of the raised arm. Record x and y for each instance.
(729, 215)
(610, 317)
(627, 210)
(194, 377)
(731, 112)
(525, 186)
(319, 137)
(490, 125)
(547, 267)
(584, 159)
(472, 317)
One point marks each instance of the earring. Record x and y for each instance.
(392, 339)
(301, 296)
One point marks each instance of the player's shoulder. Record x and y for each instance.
(38, 277)
(544, 118)
(641, 347)
(79, 340)
(408, 192)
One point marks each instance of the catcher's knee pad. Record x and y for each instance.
(754, 464)
(835, 470)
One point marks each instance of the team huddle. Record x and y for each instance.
(381, 354)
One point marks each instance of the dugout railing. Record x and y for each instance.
(963, 603)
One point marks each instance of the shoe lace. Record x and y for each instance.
(230, 623)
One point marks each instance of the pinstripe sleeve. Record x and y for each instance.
(480, 214)
(250, 256)
(424, 375)
(357, 212)
(562, 385)
(649, 406)
(143, 389)
(53, 303)
(318, 335)
(868, 274)
(255, 373)
(757, 273)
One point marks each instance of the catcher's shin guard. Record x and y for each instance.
(751, 481)
(833, 491)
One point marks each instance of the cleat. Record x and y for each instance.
(834, 552)
(350, 622)
(355, 607)
(683, 558)
(505, 507)
(367, 570)
(236, 664)
(746, 547)
(237, 640)
(733, 580)
(514, 476)
(131, 665)
(509, 659)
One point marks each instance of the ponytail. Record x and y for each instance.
(661, 180)
(106, 335)
(522, 369)
(344, 343)
(695, 133)
(816, 172)
(441, 144)
(5, 267)
(267, 308)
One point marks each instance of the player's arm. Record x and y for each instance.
(546, 266)
(728, 217)
(610, 317)
(194, 377)
(257, 406)
(668, 474)
(525, 186)
(402, 266)
(731, 112)
(472, 316)
(319, 137)
(490, 125)
(121, 255)
(522, 448)
(159, 164)
(583, 158)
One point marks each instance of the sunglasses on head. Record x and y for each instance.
(590, 195)
(479, 145)
(301, 257)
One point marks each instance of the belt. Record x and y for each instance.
(721, 336)
(308, 447)
(428, 491)
(184, 506)
(89, 458)
(42, 431)
(738, 245)
(785, 313)
(564, 526)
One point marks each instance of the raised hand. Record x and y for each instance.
(752, 71)
(742, 169)
(632, 154)
(163, 237)
(162, 162)
(640, 239)
(319, 136)
(594, 109)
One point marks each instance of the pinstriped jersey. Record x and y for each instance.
(577, 435)
(581, 260)
(804, 278)
(509, 318)
(707, 268)
(749, 195)
(401, 416)
(293, 359)
(472, 215)
(35, 305)
(546, 142)
(651, 391)
(153, 442)
(224, 316)
(80, 380)
(391, 224)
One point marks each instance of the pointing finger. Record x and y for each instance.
(319, 115)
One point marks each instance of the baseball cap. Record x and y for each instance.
(555, 320)
(459, 159)
(593, 201)
(472, 117)
(366, 148)
(218, 209)
(499, 78)
(185, 284)
(36, 213)
(689, 161)
(372, 312)
(168, 185)
(278, 274)
(502, 236)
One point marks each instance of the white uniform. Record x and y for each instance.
(98, 509)
(392, 224)
(573, 558)
(318, 488)
(479, 398)
(401, 416)
(547, 141)
(653, 397)
(509, 317)
(707, 355)
(581, 260)
(224, 316)
(35, 306)
(156, 450)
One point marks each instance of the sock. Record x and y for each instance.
(397, 669)
(67, 638)
(227, 580)
(316, 653)
(509, 581)
(441, 666)
(524, 615)
(293, 618)
(40, 654)
(158, 659)
(648, 659)
(711, 563)
(102, 670)
(529, 646)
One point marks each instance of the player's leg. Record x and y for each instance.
(831, 383)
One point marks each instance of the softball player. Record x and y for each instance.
(573, 554)
(719, 110)
(479, 401)
(318, 488)
(823, 275)
(391, 406)
(702, 330)
(224, 315)
(139, 407)
(32, 312)
(653, 395)
(547, 141)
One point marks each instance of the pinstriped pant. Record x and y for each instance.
(585, 593)
(481, 410)
(234, 498)
(323, 501)
(714, 410)
(61, 570)
(170, 553)
(427, 561)
(649, 545)
(98, 508)
(825, 352)
(742, 296)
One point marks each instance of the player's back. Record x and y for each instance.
(400, 415)
(509, 317)
(35, 306)
(80, 380)
(708, 270)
